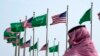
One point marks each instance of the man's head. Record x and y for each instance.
(77, 34)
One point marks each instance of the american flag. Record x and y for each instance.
(26, 44)
(60, 18)
(44, 47)
(9, 30)
(27, 23)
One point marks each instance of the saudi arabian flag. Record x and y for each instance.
(14, 44)
(53, 49)
(18, 43)
(11, 40)
(35, 46)
(17, 27)
(9, 34)
(86, 16)
(39, 21)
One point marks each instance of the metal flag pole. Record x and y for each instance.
(47, 31)
(54, 45)
(30, 53)
(16, 50)
(66, 26)
(48, 46)
(91, 17)
(58, 48)
(30, 45)
(37, 46)
(24, 39)
(19, 42)
(33, 32)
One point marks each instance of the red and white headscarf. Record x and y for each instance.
(80, 43)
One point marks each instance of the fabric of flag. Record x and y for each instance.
(19, 42)
(53, 49)
(44, 47)
(27, 23)
(9, 30)
(60, 18)
(86, 16)
(39, 21)
(9, 34)
(11, 40)
(35, 46)
(14, 44)
(17, 27)
(26, 44)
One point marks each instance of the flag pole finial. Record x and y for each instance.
(47, 9)
(54, 38)
(26, 17)
(92, 3)
(33, 13)
(20, 20)
(67, 6)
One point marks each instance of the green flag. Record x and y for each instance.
(53, 49)
(14, 44)
(9, 34)
(11, 40)
(17, 27)
(86, 16)
(39, 21)
(19, 42)
(34, 46)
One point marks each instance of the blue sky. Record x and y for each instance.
(14, 10)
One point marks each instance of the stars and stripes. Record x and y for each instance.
(44, 47)
(60, 18)
(9, 30)
(26, 44)
(27, 23)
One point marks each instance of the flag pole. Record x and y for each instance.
(54, 45)
(33, 33)
(16, 50)
(19, 42)
(18, 46)
(37, 46)
(30, 53)
(58, 48)
(30, 44)
(47, 31)
(91, 17)
(66, 26)
(24, 39)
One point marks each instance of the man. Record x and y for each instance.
(80, 42)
